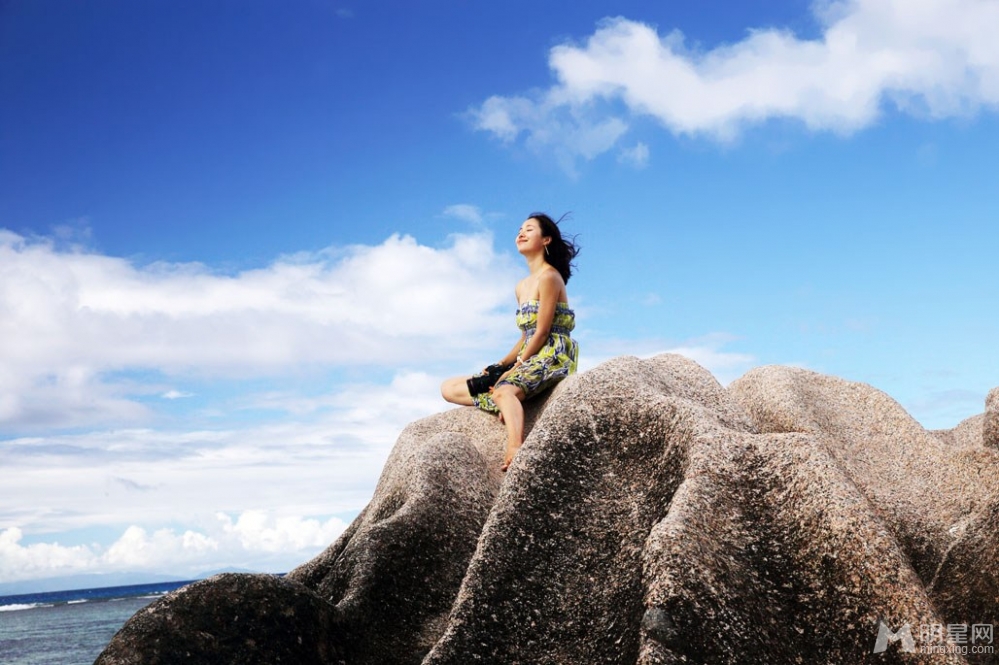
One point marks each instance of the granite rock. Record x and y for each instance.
(230, 618)
(652, 516)
(969, 432)
(990, 424)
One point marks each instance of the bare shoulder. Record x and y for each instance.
(551, 278)
(551, 285)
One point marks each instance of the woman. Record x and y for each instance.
(545, 353)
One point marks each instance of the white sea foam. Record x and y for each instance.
(25, 606)
(75, 602)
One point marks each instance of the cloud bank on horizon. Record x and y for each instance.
(930, 58)
(251, 538)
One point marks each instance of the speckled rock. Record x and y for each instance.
(990, 424)
(967, 433)
(248, 619)
(394, 573)
(937, 503)
(655, 517)
(557, 576)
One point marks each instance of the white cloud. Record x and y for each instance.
(564, 131)
(313, 455)
(465, 212)
(69, 320)
(18, 562)
(636, 156)
(257, 531)
(931, 58)
(255, 539)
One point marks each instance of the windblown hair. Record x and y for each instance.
(561, 251)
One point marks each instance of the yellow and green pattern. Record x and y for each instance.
(557, 359)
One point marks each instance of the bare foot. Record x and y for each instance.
(510, 453)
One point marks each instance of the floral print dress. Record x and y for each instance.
(557, 359)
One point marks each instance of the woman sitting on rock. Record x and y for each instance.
(545, 353)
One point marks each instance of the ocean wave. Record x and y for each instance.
(23, 606)
(76, 602)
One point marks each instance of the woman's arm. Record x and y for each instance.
(511, 357)
(549, 288)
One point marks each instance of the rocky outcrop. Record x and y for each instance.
(978, 430)
(990, 423)
(968, 432)
(651, 517)
(230, 619)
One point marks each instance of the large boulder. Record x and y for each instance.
(938, 503)
(651, 517)
(247, 619)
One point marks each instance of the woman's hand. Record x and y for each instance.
(516, 364)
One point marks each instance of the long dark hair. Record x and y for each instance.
(560, 251)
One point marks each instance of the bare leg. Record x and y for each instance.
(455, 390)
(508, 399)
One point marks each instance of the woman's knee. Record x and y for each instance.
(507, 392)
(449, 390)
(455, 390)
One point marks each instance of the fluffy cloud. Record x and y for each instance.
(70, 320)
(932, 58)
(255, 539)
(19, 562)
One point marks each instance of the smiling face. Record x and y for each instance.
(529, 238)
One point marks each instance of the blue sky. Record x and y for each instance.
(241, 244)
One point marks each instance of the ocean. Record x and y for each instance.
(69, 627)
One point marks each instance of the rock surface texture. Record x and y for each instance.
(652, 517)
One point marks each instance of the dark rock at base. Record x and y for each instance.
(230, 618)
